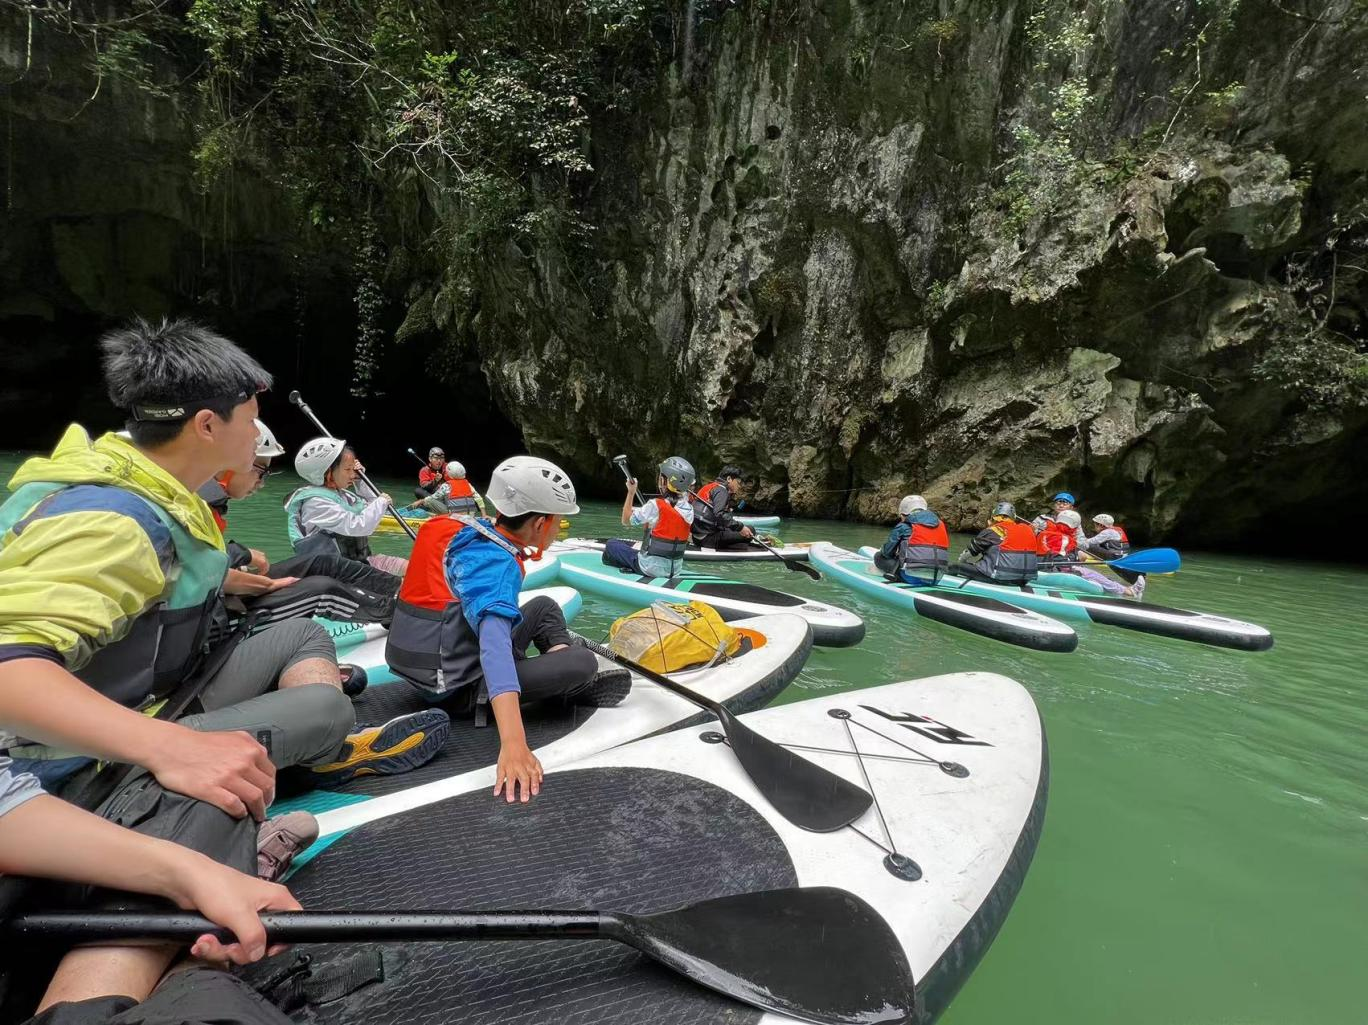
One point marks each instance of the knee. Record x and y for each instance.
(326, 712)
(308, 639)
(578, 663)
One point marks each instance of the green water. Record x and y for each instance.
(1205, 857)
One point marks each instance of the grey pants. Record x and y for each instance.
(196, 996)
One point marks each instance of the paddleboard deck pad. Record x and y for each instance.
(987, 617)
(957, 765)
(776, 648)
(832, 627)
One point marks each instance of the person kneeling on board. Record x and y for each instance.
(1004, 552)
(458, 635)
(666, 523)
(321, 584)
(714, 523)
(917, 551)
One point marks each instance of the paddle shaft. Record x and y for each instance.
(661, 679)
(316, 926)
(792, 564)
(298, 400)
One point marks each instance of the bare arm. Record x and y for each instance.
(49, 838)
(629, 502)
(41, 701)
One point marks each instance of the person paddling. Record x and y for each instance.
(454, 494)
(917, 551)
(666, 522)
(430, 476)
(328, 515)
(714, 523)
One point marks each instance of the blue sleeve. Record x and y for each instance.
(496, 656)
(896, 536)
(486, 579)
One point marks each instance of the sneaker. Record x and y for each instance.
(398, 746)
(280, 839)
(610, 686)
(1137, 589)
(354, 679)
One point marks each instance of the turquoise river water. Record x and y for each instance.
(1205, 853)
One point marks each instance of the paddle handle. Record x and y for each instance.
(298, 400)
(654, 677)
(314, 926)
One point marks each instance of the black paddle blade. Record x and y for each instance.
(803, 792)
(818, 954)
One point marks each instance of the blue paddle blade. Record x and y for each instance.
(1150, 560)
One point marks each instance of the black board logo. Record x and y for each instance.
(931, 729)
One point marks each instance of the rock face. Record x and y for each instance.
(976, 250)
(806, 264)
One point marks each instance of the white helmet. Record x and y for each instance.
(455, 470)
(911, 504)
(1103, 520)
(316, 457)
(267, 446)
(525, 484)
(1070, 518)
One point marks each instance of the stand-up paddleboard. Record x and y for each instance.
(733, 599)
(1127, 613)
(537, 574)
(797, 551)
(774, 649)
(986, 617)
(757, 522)
(1068, 582)
(957, 767)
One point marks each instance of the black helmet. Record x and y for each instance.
(1005, 509)
(730, 470)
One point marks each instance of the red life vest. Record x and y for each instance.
(927, 548)
(1056, 540)
(1017, 537)
(425, 583)
(669, 537)
(1014, 560)
(460, 488)
(1122, 531)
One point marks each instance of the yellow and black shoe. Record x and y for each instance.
(398, 746)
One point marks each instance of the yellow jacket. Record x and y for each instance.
(74, 580)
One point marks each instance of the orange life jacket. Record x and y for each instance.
(669, 537)
(927, 548)
(425, 583)
(1014, 560)
(460, 488)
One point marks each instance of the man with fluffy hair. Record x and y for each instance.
(110, 572)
